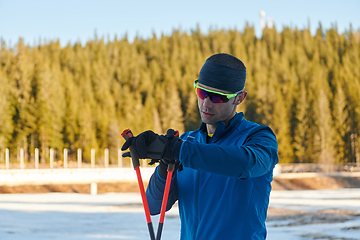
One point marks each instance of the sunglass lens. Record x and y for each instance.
(201, 93)
(223, 98)
(215, 98)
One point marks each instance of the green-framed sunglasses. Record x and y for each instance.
(215, 97)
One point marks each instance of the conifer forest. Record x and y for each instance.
(305, 86)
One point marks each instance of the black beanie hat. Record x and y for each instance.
(221, 76)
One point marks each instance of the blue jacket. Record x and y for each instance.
(223, 190)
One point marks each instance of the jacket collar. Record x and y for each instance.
(221, 128)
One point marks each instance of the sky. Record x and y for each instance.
(71, 21)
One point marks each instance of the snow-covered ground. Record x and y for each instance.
(120, 216)
(326, 214)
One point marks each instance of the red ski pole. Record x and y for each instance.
(136, 164)
(170, 171)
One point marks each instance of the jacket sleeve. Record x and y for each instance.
(256, 157)
(155, 192)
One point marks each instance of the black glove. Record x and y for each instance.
(151, 145)
(171, 154)
(140, 144)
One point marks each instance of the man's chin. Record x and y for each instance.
(208, 121)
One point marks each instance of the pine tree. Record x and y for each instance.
(49, 103)
(22, 97)
(325, 130)
(281, 127)
(71, 128)
(341, 122)
(301, 136)
(170, 109)
(6, 110)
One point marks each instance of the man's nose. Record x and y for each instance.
(207, 102)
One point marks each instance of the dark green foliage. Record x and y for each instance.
(306, 88)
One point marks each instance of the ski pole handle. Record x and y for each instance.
(134, 157)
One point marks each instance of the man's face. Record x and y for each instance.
(212, 113)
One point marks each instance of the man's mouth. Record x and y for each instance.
(207, 114)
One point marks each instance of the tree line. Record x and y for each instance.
(305, 87)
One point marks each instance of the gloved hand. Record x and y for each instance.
(171, 154)
(151, 145)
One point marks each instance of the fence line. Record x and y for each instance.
(51, 155)
(284, 168)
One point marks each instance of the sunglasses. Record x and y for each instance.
(215, 97)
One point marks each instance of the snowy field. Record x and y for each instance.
(298, 215)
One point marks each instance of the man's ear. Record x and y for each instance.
(240, 97)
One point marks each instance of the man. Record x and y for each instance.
(224, 186)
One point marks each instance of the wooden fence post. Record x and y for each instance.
(120, 160)
(93, 188)
(106, 157)
(65, 158)
(92, 158)
(36, 158)
(51, 158)
(22, 163)
(79, 156)
(7, 158)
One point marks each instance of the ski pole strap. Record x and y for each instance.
(134, 157)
